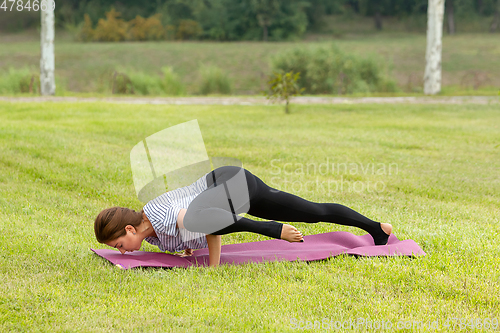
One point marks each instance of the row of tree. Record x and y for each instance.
(256, 19)
(222, 15)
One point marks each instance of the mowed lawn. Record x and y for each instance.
(430, 170)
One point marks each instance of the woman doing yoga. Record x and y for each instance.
(196, 216)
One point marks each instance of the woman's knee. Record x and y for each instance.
(208, 220)
(226, 172)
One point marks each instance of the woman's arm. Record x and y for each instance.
(180, 218)
(214, 241)
(214, 245)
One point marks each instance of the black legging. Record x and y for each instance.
(214, 211)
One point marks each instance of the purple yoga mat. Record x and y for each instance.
(314, 247)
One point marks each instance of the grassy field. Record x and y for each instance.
(469, 60)
(61, 163)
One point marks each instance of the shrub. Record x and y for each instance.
(136, 82)
(145, 84)
(188, 29)
(328, 70)
(112, 29)
(213, 80)
(121, 84)
(170, 32)
(86, 33)
(171, 84)
(146, 29)
(24, 80)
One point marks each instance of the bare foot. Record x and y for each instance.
(290, 233)
(386, 227)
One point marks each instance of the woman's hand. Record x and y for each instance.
(187, 252)
(214, 248)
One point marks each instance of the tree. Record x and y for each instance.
(432, 76)
(266, 10)
(378, 4)
(450, 17)
(47, 80)
(496, 18)
(376, 8)
(282, 86)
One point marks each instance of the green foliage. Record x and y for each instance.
(23, 80)
(171, 83)
(86, 33)
(250, 19)
(76, 62)
(146, 28)
(214, 80)
(145, 84)
(17, 20)
(188, 29)
(170, 32)
(282, 86)
(113, 29)
(121, 84)
(216, 19)
(328, 70)
(140, 83)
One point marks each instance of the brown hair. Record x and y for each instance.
(111, 222)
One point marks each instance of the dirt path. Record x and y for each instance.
(483, 100)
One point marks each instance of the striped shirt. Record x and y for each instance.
(162, 213)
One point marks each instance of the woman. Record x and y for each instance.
(196, 216)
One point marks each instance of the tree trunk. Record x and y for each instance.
(451, 17)
(378, 20)
(496, 18)
(432, 76)
(480, 6)
(47, 80)
(265, 33)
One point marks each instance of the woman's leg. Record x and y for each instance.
(215, 210)
(270, 203)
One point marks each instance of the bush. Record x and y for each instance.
(24, 80)
(145, 84)
(121, 83)
(140, 83)
(86, 33)
(328, 70)
(170, 32)
(171, 83)
(146, 29)
(213, 80)
(188, 29)
(112, 29)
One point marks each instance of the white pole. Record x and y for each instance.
(432, 76)
(47, 80)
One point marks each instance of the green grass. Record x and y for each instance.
(61, 163)
(469, 60)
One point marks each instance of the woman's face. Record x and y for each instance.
(130, 242)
